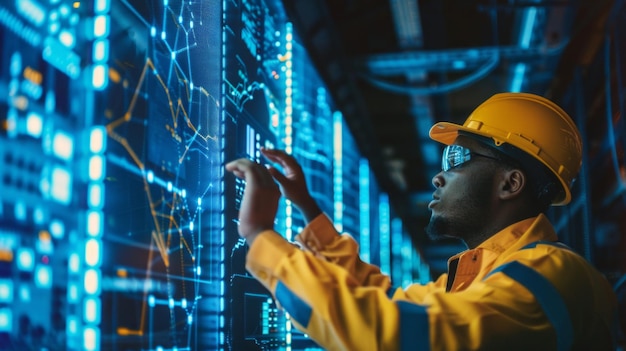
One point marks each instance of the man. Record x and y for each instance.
(515, 287)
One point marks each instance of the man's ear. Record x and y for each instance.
(512, 184)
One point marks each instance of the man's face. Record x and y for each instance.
(464, 195)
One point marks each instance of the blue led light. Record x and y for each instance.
(43, 276)
(94, 223)
(64, 10)
(97, 140)
(39, 215)
(101, 25)
(518, 78)
(72, 293)
(6, 290)
(15, 67)
(32, 11)
(67, 38)
(6, 319)
(92, 281)
(96, 195)
(99, 76)
(24, 293)
(92, 252)
(63, 145)
(364, 209)
(151, 301)
(71, 325)
(91, 310)
(73, 263)
(96, 168)
(100, 50)
(384, 232)
(102, 6)
(526, 32)
(61, 57)
(338, 171)
(91, 339)
(20, 211)
(34, 124)
(25, 259)
(61, 185)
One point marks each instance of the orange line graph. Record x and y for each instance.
(160, 235)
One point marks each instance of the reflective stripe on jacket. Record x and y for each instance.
(517, 290)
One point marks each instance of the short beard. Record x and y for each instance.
(438, 228)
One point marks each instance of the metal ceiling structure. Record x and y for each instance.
(395, 67)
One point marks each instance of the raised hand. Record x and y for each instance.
(260, 198)
(292, 182)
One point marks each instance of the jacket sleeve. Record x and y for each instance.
(323, 299)
(506, 310)
(322, 239)
(327, 303)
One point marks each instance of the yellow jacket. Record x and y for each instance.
(518, 290)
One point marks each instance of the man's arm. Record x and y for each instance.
(320, 236)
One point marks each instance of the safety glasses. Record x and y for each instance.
(456, 155)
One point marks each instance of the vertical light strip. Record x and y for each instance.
(526, 33)
(338, 171)
(397, 243)
(221, 247)
(385, 235)
(288, 131)
(100, 47)
(96, 144)
(289, 88)
(250, 141)
(407, 257)
(364, 210)
(288, 144)
(92, 249)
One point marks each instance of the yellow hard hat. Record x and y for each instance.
(530, 123)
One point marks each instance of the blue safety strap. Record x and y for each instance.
(548, 297)
(299, 310)
(414, 328)
(545, 242)
(391, 291)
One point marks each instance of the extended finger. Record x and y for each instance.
(261, 174)
(278, 176)
(248, 170)
(285, 160)
(240, 165)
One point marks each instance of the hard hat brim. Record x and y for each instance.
(446, 133)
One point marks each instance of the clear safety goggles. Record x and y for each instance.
(456, 155)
